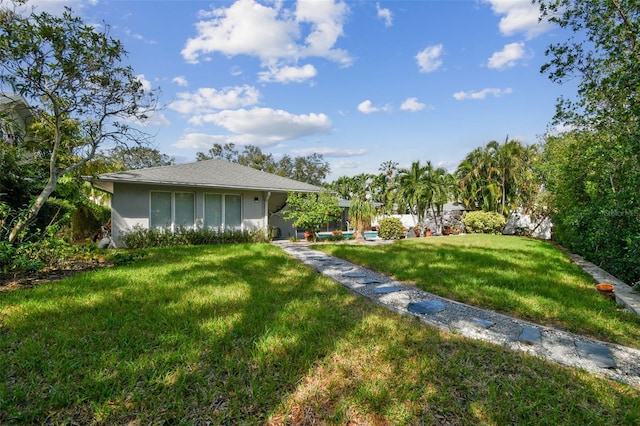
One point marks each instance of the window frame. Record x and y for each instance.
(223, 210)
(173, 226)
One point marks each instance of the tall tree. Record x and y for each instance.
(601, 156)
(138, 157)
(411, 189)
(310, 169)
(79, 91)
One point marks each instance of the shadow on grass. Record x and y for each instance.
(233, 327)
(526, 278)
(244, 335)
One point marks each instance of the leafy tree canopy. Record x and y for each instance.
(77, 88)
(310, 169)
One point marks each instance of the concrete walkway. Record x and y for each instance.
(601, 358)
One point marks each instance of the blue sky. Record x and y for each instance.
(360, 82)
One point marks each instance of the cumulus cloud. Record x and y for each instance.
(429, 58)
(412, 104)
(507, 57)
(268, 126)
(277, 35)
(146, 84)
(199, 141)
(385, 15)
(330, 152)
(519, 17)
(366, 107)
(180, 81)
(208, 99)
(288, 74)
(482, 94)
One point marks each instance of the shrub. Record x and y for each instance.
(140, 237)
(390, 228)
(480, 222)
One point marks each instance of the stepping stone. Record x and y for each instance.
(426, 307)
(482, 323)
(370, 281)
(354, 275)
(530, 336)
(599, 354)
(386, 289)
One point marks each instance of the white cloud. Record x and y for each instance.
(520, 16)
(288, 74)
(276, 35)
(208, 99)
(412, 104)
(330, 152)
(346, 165)
(56, 7)
(429, 58)
(180, 81)
(366, 107)
(156, 118)
(269, 125)
(146, 84)
(385, 15)
(507, 57)
(482, 94)
(199, 141)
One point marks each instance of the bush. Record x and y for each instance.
(480, 222)
(140, 237)
(87, 219)
(390, 228)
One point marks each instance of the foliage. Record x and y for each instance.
(480, 222)
(361, 212)
(79, 93)
(309, 211)
(140, 237)
(136, 157)
(594, 205)
(48, 252)
(311, 169)
(593, 171)
(87, 219)
(424, 188)
(500, 177)
(390, 228)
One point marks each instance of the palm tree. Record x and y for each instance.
(411, 188)
(361, 211)
(498, 177)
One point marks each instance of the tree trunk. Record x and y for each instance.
(33, 211)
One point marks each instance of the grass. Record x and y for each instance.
(243, 334)
(522, 277)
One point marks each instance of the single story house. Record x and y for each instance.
(205, 194)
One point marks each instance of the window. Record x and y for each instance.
(171, 210)
(223, 211)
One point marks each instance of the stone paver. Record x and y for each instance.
(602, 358)
(530, 336)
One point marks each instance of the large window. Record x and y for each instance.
(171, 210)
(223, 211)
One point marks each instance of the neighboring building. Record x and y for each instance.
(206, 194)
(15, 117)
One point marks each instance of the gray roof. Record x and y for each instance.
(206, 174)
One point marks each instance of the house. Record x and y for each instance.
(206, 194)
(15, 117)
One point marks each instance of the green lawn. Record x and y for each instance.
(243, 334)
(522, 277)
